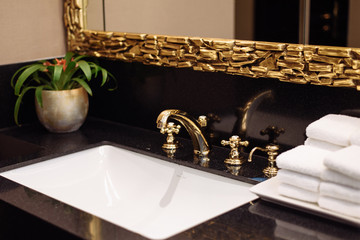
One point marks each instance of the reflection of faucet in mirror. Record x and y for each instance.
(244, 113)
(193, 127)
(273, 132)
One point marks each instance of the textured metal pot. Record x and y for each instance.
(63, 111)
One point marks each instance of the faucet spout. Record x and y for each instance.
(201, 146)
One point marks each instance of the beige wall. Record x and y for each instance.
(31, 30)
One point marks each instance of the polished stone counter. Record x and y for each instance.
(255, 220)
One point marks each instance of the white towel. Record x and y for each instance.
(333, 128)
(340, 206)
(303, 159)
(299, 180)
(322, 144)
(345, 161)
(336, 177)
(355, 138)
(340, 192)
(297, 193)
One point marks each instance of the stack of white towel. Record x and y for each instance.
(340, 188)
(300, 173)
(326, 169)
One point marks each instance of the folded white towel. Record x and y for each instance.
(298, 180)
(303, 159)
(333, 128)
(297, 193)
(322, 144)
(336, 177)
(345, 161)
(340, 206)
(355, 138)
(340, 192)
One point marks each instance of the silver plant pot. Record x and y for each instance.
(63, 111)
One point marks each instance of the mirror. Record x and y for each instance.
(95, 15)
(334, 22)
(295, 63)
(325, 22)
(230, 19)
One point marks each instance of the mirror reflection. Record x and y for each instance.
(320, 22)
(95, 15)
(231, 19)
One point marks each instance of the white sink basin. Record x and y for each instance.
(146, 195)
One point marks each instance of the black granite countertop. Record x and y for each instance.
(255, 220)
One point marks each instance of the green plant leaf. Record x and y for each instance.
(70, 67)
(36, 77)
(94, 69)
(68, 57)
(76, 59)
(84, 85)
(18, 103)
(38, 93)
(25, 74)
(85, 68)
(104, 76)
(72, 83)
(44, 81)
(116, 83)
(16, 73)
(57, 72)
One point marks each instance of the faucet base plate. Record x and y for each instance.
(270, 172)
(170, 146)
(235, 161)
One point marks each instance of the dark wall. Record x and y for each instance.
(144, 91)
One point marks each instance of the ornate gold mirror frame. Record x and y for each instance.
(296, 63)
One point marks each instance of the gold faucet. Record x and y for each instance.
(271, 149)
(234, 157)
(170, 129)
(192, 126)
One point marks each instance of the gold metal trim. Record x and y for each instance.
(296, 63)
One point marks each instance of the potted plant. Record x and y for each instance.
(61, 90)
